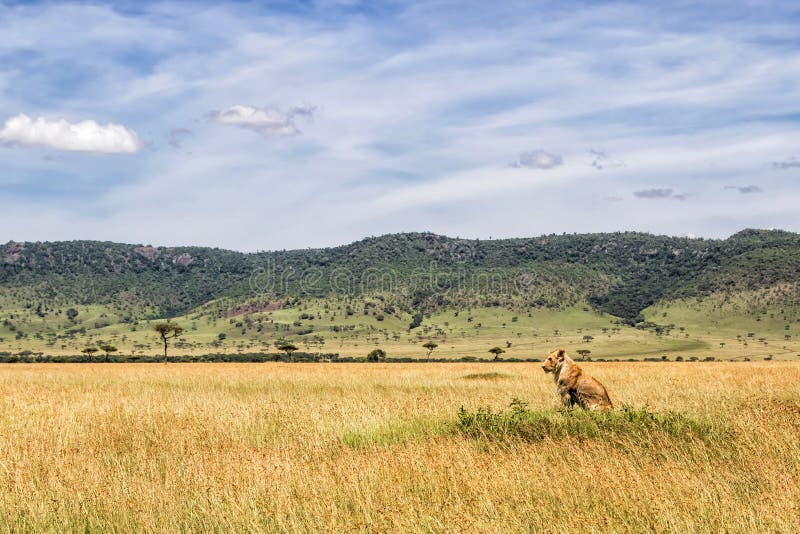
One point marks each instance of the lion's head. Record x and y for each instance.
(554, 360)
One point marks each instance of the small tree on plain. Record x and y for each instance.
(89, 351)
(167, 331)
(376, 355)
(108, 349)
(288, 348)
(497, 351)
(431, 346)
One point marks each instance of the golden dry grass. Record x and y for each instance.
(372, 448)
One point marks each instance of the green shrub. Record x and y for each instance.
(536, 425)
(376, 355)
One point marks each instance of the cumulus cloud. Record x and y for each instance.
(266, 121)
(537, 159)
(745, 189)
(657, 193)
(789, 164)
(84, 136)
(177, 136)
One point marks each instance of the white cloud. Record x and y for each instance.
(266, 121)
(537, 159)
(84, 136)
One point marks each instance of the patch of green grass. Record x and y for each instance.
(639, 426)
(395, 433)
(724, 316)
(537, 425)
(487, 376)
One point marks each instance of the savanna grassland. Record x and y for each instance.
(386, 447)
(743, 326)
(464, 446)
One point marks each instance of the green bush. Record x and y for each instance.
(376, 355)
(519, 422)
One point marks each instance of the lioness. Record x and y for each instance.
(573, 385)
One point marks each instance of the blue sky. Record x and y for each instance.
(276, 125)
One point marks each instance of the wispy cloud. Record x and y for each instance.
(178, 136)
(653, 193)
(422, 106)
(745, 189)
(788, 164)
(537, 159)
(305, 110)
(600, 160)
(659, 193)
(83, 136)
(266, 121)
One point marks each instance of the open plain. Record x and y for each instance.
(384, 447)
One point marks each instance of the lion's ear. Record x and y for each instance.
(561, 354)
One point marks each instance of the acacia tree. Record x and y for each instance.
(431, 346)
(376, 355)
(167, 331)
(89, 351)
(497, 351)
(108, 349)
(288, 348)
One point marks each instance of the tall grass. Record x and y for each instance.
(381, 447)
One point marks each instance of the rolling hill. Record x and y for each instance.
(396, 290)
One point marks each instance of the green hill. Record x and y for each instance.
(59, 295)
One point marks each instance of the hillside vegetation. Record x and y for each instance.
(632, 291)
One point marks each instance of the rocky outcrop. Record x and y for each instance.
(14, 252)
(151, 253)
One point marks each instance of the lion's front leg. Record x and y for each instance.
(566, 397)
